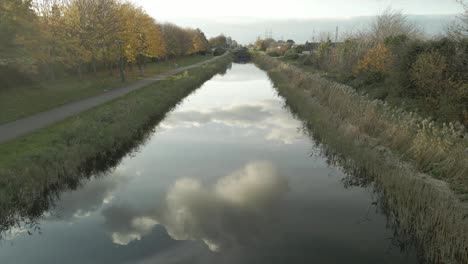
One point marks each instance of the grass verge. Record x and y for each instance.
(35, 167)
(23, 101)
(410, 159)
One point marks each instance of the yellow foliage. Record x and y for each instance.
(87, 34)
(199, 42)
(376, 60)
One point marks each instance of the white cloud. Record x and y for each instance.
(140, 227)
(266, 117)
(226, 214)
(232, 212)
(93, 195)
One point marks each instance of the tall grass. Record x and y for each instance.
(35, 167)
(405, 154)
(436, 149)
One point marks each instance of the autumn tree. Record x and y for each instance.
(141, 36)
(266, 43)
(17, 21)
(173, 36)
(218, 41)
(48, 47)
(258, 43)
(199, 42)
(83, 35)
(375, 63)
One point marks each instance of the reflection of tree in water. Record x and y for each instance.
(225, 69)
(30, 200)
(23, 203)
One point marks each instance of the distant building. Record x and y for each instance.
(309, 47)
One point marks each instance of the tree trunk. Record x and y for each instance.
(141, 64)
(51, 71)
(111, 68)
(122, 68)
(50, 66)
(79, 71)
(94, 65)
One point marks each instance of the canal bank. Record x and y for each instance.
(419, 168)
(228, 176)
(63, 154)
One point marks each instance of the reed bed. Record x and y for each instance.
(419, 166)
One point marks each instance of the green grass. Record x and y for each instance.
(36, 167)
(23, 101)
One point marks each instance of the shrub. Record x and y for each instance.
(346, 57)
(428, 75)
(218, 51)
(11, 77)
(375, 63)
(273, 53)
(291, 54)
(299, 48)
(308, 60)
(395, 40)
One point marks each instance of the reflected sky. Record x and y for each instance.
(226, 178)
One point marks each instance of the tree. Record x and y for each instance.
(199, 42)
(428, 75)
(392, 23)
(48, 46)
(174, 38)
(84, 35)
(218, 42)
(459, 30)
(17, 20)
(375, 63)
(141, 36)
(80, 36)
(234, 44)
(264, 44)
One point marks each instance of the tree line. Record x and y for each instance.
(393, 61)
(47, 37)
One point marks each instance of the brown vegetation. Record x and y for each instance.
(410, 158)
(392, 61)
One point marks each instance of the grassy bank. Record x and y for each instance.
(21, 101)
(35, 167)
(420, 167)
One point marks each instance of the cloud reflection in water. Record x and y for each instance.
(88, 199)
(232, 212)
(266, 116)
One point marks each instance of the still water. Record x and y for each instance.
(227, 177)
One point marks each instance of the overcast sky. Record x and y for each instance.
(245, 20)
(171, 10)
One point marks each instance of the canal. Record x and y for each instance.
(228, 176)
